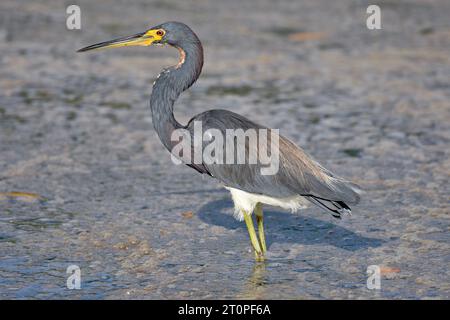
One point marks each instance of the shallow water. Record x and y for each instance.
(84, 180)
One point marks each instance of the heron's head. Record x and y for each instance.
(173, 33)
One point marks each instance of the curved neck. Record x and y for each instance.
(170, 84)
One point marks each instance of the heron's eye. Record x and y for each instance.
(160, 33)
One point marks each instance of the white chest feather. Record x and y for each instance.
(245, 201)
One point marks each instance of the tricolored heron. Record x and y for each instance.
(299, 180)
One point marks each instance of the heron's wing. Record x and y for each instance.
(243, 176)
(297, 174)
(301, 172)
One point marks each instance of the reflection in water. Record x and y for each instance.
(255, 287)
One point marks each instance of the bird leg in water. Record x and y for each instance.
(253, 237)
(259, 220)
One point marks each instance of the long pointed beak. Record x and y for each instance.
(139, 39)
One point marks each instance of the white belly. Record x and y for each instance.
(245, 201)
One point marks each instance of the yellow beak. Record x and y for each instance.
(140, 39)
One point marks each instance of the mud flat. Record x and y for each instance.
(85, 181)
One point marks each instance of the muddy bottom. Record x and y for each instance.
(85, 181)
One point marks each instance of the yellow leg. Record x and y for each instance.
(253, 238)
(259, 220)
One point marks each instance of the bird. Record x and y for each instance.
(299, 181)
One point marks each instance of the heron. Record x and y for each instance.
(299, 181)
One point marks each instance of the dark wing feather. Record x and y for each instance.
(199, 168)
(336, 208)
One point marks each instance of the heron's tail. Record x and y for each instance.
(336, 208)
(341, 194)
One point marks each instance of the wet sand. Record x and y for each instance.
(84, 179)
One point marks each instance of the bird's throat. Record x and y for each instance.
(170, 84)
(182, 57)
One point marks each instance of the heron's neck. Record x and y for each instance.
(170, 84)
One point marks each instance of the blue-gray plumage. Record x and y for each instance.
(299, 179)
